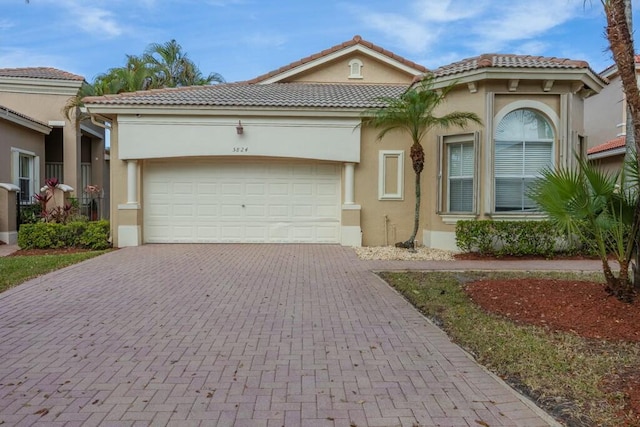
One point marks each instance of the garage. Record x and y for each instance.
(241, 200)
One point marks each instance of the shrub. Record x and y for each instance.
(77, 234)
(500, 238)
(96, 235)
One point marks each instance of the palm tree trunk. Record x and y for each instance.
(619, 34)
(417, 161)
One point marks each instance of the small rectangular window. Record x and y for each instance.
(457, 185)
(25, 174)
(391, 175)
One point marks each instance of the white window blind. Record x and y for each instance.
(523, 147)
(461, 165)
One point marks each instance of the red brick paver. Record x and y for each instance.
(235, 335)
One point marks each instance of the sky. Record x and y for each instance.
(242, 39)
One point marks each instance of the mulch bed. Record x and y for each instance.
(61, 251)
(582, 308)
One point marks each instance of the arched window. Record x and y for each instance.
(355, 69)
(523, 147)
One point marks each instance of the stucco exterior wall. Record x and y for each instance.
(14, 136)
(337, 71)
(604, 114)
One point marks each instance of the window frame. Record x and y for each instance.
(523, 176)
(34, 173)
(443, 181)
(383, 155)
(359, 64)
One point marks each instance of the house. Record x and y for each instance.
(22, 143)
(605, 121)
(284, 158)
(38, 141)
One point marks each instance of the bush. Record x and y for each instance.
(500, 238)
(96, 235)
(77, 234)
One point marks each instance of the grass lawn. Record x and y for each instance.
(17, 269)
(564, 373)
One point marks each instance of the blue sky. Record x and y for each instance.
(241, 39)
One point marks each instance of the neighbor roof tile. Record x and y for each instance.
(39, 73)
(6, 111)
(609, 145)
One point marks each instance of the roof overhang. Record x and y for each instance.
(40, 86)
(607, 153)
(587, 78)
(23, 121)
(111, 111)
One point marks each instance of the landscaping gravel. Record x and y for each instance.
(393, 253)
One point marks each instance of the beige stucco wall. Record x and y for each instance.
(337, 71)
(12, 135)
(603, 113)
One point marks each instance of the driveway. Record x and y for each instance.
(260, 335)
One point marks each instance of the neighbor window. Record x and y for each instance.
(523, 148)
(25, 167)
(457, 173)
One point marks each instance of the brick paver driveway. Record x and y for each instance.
(259, 335)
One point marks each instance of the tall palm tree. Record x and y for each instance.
(620, 36)
(172, 67)
(413, 113)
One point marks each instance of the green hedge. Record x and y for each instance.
(500, 238)
(77, 234)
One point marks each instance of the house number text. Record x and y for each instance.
(240, 149)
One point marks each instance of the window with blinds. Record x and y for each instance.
(523, 147)
(460, 179)
(457, 186)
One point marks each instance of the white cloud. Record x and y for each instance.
(265, 40)
(18, 57)
(447, 10)
(97, 21)
(413, 36)
(529, 20)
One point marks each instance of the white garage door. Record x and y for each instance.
(241, 201)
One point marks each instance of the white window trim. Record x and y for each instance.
(443, 186)
(382, 174)
(357, 75)
(35, 169)
(550, 114)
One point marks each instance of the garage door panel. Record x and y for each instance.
(234, 201)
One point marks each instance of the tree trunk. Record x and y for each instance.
(619, 34)
(417, 161)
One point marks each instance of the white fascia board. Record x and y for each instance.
(342, 52)
(177, 110)
(40, 86)
(608, 153)
(21, 121)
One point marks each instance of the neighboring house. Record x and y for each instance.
(605, 118)
(283, 158)
(71, 151)
(22, 146)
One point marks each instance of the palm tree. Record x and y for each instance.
(619, 33)
(172, 67)
(413, 112)
(595, 206)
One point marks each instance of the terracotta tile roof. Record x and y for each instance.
(251, 95)
(494, 60)
(47, 73)
(609, 145)
(4, 111)
(354, 41)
